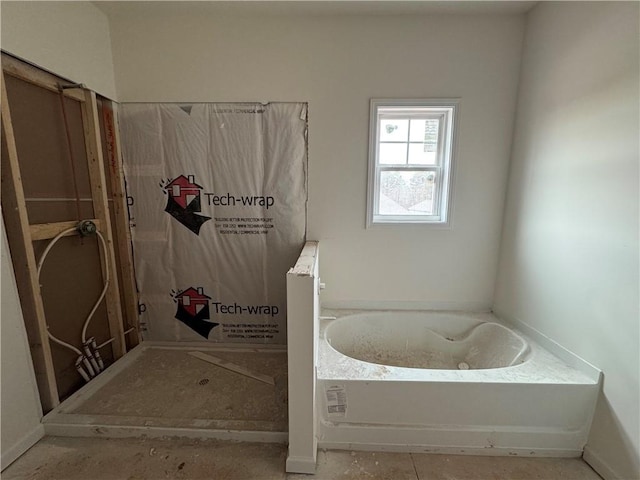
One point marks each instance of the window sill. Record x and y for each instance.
(445, 225)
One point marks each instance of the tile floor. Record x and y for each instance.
(154, 459)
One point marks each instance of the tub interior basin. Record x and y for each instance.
(448, 343)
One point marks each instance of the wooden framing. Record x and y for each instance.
(21, 234)
(45, 231)
(101, 210)
(121, 215)
(16, 68)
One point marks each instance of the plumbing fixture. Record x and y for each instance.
(89, 363)
(86, 228)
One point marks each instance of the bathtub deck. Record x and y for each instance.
(162, 390)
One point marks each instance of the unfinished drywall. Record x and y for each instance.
(569, 257)
(337, 64)
(70, 39)
(21, 411)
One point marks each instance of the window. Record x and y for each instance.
(410, 158)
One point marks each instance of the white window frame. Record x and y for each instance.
(448, 110)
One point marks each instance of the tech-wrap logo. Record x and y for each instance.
(193, 310)
(183, 202)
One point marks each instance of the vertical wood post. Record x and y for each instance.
(19, 236)
(101, 211)
(121, 216)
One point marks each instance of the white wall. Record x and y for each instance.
(337, 64)
(19, 400)
(569, 256)
(70, 39)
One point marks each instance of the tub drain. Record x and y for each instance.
(463, 366)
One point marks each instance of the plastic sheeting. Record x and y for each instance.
(217, 199)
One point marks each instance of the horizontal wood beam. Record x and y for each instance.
(17, 68)
(45, 231)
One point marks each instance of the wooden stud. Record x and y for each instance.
(121, 219)
(45, 231)
(97, 179)
(19, 69)
(20, 243)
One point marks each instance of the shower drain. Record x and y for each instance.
(204, 381)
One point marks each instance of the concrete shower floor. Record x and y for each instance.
(154, 459)
(157, 389)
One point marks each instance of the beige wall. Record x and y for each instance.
(337, 64)
(70, 39)
(20, 402)
(569, 256)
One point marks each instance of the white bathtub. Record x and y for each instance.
(416, 340)
(446, 382)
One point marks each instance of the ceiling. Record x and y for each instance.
(114, 9)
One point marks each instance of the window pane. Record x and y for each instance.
(407, 193)
(426, 131)
(410, 160)
(418, 156)
(392, 153)
(394, 130)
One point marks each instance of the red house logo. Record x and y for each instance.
(183, 201)
(184, 190)
(193, 300)
(193, 310)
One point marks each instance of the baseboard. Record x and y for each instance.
(601, 467)
(476, 307)
(439, 450)
(24, 444)
(472, 440)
